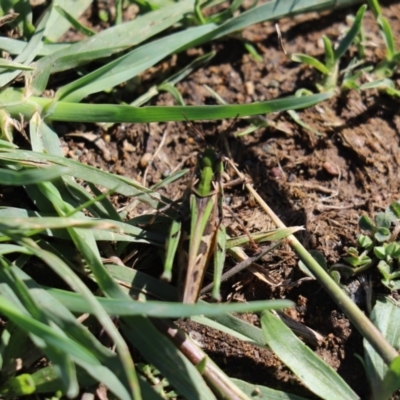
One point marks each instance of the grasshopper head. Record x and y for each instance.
(208, 171)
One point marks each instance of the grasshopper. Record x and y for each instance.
(199, 234)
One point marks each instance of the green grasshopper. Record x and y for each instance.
(199, 234)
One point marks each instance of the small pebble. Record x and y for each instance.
(144, 161)
(249, 87)
(330, 168)
(276, 172)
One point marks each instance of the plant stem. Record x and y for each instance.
(355, 315)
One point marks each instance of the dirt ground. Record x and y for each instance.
(323, 181)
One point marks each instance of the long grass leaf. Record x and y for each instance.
(63, 111)
(109, 41)
(351, 34)
(15, 47)
(30, 176)
(317, 375)
(386, 316)
(129, 65)
(164, 309)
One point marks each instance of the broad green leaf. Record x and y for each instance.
(82, 112)
(318, 376)
(366, 223)
(386, 316)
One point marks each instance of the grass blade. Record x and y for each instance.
(385, 315)
(318, 376)
(120, 113)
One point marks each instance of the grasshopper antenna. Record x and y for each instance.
(195, 129)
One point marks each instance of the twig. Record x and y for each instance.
(355, 315)
(220, 383)
(243, 265)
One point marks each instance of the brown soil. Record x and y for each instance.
(324, 182)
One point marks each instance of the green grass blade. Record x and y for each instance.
(171, 244)
(318, 376)
(108, 42)
(30, 176)
(98, 311)
(120, 184)
(351, 34)
(105, 230)
(15, 47)
(129, 65)
(84, 241)
(387, 34)
(11, 65)
(273, 10)
(312, 61)
(330, 61)
(74, 22)
(68, 323)
(119, 113)
(43, 138)
(385, 315)
(391, 380)
(162, 309)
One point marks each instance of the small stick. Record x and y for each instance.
(243, 265)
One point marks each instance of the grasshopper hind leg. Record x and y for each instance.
(219, 261)
(171, 248)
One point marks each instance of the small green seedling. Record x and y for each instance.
(391, 62)
(379, 247)
(330, 68)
